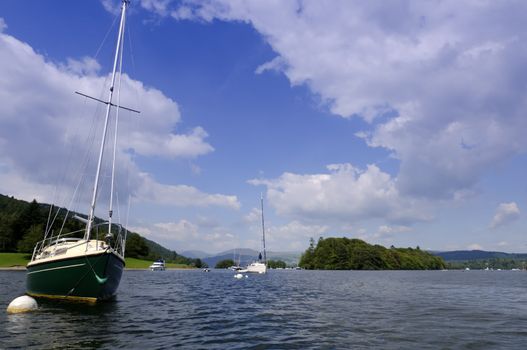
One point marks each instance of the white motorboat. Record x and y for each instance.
(158, 265)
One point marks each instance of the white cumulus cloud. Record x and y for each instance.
(345, 194)
(49, 135)
(505, 213)
(440, 82)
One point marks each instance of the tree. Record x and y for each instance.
(306, 260)
(199, 264)
(136, 246)
(32, 237)
(354, 254)
(224, 264)
(276, 264)
(6, 233)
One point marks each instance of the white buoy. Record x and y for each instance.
(238, 276)
(246, 276)
(22, 304)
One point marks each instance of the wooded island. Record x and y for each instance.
(355, 254)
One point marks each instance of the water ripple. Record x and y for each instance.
(282, 310)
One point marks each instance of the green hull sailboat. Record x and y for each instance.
(67, 266)
(86, 277)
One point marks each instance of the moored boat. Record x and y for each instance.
(75, 269)
(77, 265)
(158, 265)
(259, 266)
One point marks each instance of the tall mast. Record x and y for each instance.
(106, 120)
(110, 210)
(263, 229)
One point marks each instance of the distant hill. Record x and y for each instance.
(246, 256)
(469, 255)
(241, 256)
(196, 254)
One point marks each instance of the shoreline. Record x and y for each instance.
(23, 268)
(13, 268)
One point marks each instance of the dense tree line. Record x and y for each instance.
(224, 264)
(22, 225)
(276, 264)
(355, 254)
(495, 263)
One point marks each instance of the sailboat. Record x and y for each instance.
(259, 266)
(236, 266)
(66, 266)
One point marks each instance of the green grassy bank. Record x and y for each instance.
(132, 263)
(14, 259)
(21, 259)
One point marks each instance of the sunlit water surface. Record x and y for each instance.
(284, 309)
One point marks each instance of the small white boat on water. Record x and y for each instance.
(158, 265)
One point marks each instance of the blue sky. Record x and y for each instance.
(398, 123)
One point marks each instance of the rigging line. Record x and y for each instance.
(104, 135)
(66, 170)
(119, 85)
(47, 223)
(134, 70)
(105, 37)
(126, 227)
(132, 57)
(67, 209)
(89, 144)
(81, 170)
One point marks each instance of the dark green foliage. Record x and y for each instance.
(33, 235)
(199, 264)
(276, 264)
(19, 218)
(355, 254)
(224, 264)
(22, 225)
(136, 247)
(494, 264)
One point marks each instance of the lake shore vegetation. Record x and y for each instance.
(354, 254)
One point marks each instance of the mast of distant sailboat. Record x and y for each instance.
(263, 231)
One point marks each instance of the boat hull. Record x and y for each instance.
(84, 278)
(255, 267)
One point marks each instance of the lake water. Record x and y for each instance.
(284, 309)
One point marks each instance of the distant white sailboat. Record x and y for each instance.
(259, 266)
(236, 266)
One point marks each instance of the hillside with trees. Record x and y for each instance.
(22, 225)
(481, 260)
(355, 254)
